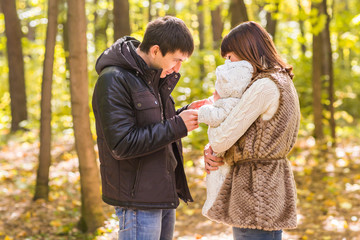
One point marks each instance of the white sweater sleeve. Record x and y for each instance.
(261, 99)
(214, 114)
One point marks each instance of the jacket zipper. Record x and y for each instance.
(161, 109)
(136, 182)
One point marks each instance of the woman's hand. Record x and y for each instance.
(211, 161)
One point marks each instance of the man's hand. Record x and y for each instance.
(190, 118)
(211, 161)
(199, 103)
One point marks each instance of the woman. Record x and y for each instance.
(258, 195)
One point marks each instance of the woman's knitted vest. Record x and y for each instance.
(259, 191)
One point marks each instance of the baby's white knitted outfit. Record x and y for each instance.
(232, 78)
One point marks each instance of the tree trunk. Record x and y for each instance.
(328, 71)
(301, 26)
(172, 10)
(217, 26)
(316, 85)
(42, 177)
(200, 15)
(31, 30)
(271, 19)
(66, 47)
(92, 215)
(238, 12)
(316, 82)
(100, 25)
(149, 9)
(95, 21)
(344, 52)
(15, 63)
(121, 19)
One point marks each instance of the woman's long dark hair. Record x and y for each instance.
(251, 42)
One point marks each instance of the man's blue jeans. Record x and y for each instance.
(151, 224)
(255, 234)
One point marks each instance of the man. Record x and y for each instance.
(139, 131)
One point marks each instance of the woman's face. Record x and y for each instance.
(232, 57)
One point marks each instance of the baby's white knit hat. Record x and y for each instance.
(232, 78)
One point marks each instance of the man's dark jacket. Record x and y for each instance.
(139, 132)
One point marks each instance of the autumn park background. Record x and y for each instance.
(49, 179)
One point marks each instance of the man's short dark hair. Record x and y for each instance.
(170, 34)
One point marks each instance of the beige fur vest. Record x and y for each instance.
(259, 191)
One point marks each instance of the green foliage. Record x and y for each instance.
(199, 71)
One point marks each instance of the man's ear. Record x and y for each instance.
(154, 50)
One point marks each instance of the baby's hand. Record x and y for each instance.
(199, 103)
(216, 96)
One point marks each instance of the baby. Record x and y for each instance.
(232, 78)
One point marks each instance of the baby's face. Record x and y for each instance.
(232, 57)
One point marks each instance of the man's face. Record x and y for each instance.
(169, 63)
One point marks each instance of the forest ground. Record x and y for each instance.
(328, 195)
